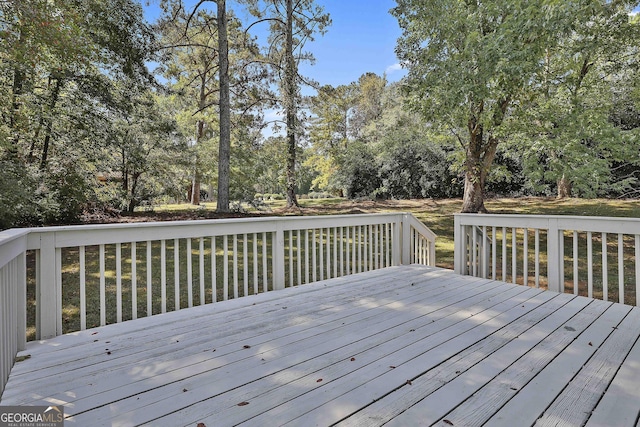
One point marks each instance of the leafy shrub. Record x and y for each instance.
(416, 170)
(62, 194)
(15, 197)
(319, 195)
(357, 172)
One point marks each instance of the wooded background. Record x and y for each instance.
(104, 111)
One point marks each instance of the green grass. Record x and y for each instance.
(436, 214)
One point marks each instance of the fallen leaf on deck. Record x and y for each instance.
(22, 358)
(243, 403)
(447, 422)
(569, 328)
(108, 352)
(319, 380)
(353, 358)
(246, 346)
(184, 390)
(392, 367)
(408, 382)
(94, 333)
(590, 344)
(201, 425)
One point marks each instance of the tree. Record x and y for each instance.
(225, 111)
(469, 71)
(209, 57)
(191, 61)
(370, 97)
(57, 71)
(572, 141)
(340, 116)
(292, 24)
(332, 112)
(144, 148)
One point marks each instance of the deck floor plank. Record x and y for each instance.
(188, 339)
(619, 406)
(408, 345)
(576, 402)
(372, 384)
(531, 401)
(294, 345)
(478, 408)
(369, 354)
(266, 362)
(432, 394)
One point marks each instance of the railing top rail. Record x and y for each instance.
(85, 235)
(423, 229)
(561, 222)
(187, 223)
(12, 243)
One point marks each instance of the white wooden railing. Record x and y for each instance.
(119, 272)
(597, 257)
(13, 246)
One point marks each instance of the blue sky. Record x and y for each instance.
(361, 39)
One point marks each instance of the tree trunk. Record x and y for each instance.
(564, 187)
(195, 189)
(290, 108)
(480, 155)
(473, 200)
(224, 150)
(17, 88)
(133, 202)
(47, 138)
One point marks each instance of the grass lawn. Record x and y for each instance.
(436, 214)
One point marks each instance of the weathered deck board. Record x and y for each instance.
(403, 346)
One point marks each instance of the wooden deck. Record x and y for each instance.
(402, 346)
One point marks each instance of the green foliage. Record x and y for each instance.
(62, 193)
(16, 194)
(415, 170)
(357, 171)
(542, 67)
(574, 131)
(58, 74)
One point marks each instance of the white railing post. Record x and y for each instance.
(486, 253)
(432, 253)
(21, 314)
(396, 246)
(554, 257)
(459, 250)
(47, 289)
(407, 244)
(278, 257)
